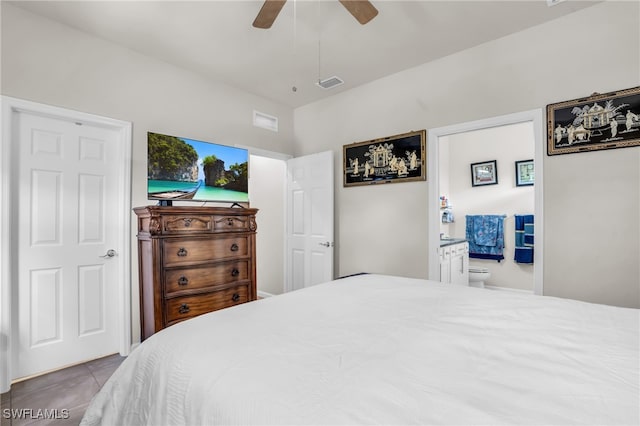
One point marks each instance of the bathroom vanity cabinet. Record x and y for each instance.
(454, 261)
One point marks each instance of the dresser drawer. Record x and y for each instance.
(197, 278)
(180, 308)
(231, 223)
(185, 224)
(188, 251)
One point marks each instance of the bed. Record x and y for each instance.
(375, 349)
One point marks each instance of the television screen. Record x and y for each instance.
(186, 169)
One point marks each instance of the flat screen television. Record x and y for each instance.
(182, 169)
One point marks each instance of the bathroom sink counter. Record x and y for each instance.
(450, 241)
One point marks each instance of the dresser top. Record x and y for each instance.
(184, 210)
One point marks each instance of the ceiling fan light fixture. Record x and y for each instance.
(329, 83)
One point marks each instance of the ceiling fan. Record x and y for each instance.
(362, 10)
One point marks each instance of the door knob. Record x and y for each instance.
(110, 253)
(326, 244)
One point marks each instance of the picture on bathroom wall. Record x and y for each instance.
(399, 158)
(485, 173)
(524, 173)
(600, 121)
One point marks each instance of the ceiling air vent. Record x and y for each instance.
(330, 82)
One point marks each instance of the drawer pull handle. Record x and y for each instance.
(187, 222)
(183, 280)
(184, 308)
(235, 297)
(182, 252)
(235, 272)
(234, 247)
(230, 221)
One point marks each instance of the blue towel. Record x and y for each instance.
(485, 230)
(524, 238)
(485, 234)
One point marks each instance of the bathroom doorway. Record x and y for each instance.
(510, 275)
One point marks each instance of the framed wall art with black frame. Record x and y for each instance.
(600, 121)
(485, 173)
(399, 158)
(524, 173)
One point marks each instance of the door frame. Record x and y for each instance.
(10, 108)
(535, 117)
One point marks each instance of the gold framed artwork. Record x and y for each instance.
(399, 158)
(600, 121)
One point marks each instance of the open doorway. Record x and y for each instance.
(504, 196)
(534, 118)
(267, 184)
(294, 242)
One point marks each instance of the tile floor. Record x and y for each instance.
(68, 391)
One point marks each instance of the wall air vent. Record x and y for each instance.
(269, 122)
(330, 82)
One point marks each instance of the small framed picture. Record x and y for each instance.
(485, 173)
(524, 173)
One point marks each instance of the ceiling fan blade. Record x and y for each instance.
(268, 13)
(362, 10)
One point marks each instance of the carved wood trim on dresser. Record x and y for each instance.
(193, 260)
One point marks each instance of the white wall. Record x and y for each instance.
(383, 228)
(50, 63)
(505, 144)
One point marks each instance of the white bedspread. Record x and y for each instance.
(374, 349)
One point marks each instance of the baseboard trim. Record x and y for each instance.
(263, 294)
(517, 290)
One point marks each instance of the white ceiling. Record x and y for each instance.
(311, 39)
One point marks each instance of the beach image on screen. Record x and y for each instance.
(187, 169)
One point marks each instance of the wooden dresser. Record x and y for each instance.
(193, 260)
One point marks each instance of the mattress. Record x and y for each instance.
(374, 349)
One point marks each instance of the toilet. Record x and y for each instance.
(477, 276)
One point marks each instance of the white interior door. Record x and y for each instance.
(309, 220)
(67, 244)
